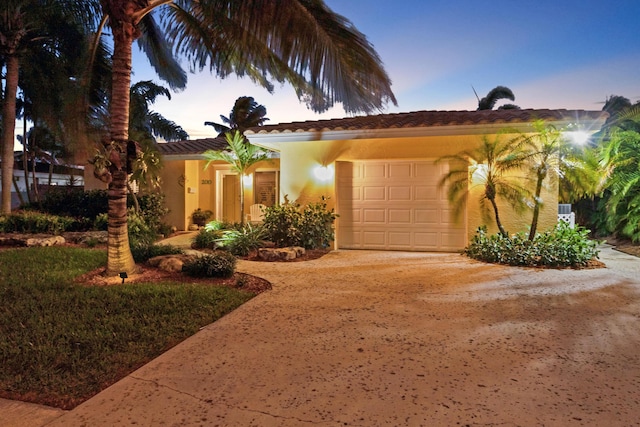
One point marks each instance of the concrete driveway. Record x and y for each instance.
(363, 338)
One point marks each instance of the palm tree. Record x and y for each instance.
(319, 52)
(548, 157)
(27, 26)
(241, 157)
(490, 165)
(246, 113)
(144, 126)
(495, 94)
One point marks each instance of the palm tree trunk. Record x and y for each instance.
(15, 186)
(536, 206)
(9, 122)
(498, 222)
(119, 253)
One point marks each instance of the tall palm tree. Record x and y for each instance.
(146, 124)
(491, 166)
(241, 156)
(303, 42)
(548, 156)
(494, 95)
(26, 25)
(246, 113)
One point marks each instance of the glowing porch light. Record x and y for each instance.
(578, 137)
(247, 180)
(323, 173)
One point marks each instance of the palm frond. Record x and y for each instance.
(303, 42)
(161, 58)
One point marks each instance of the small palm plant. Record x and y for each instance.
(491, 165)
(241, 156)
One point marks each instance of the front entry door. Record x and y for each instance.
(231, 198)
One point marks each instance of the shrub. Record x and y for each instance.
(282, 224)
(140, 233)
(242, 242)
(559, 247)
(290, 225)
(36, 222)
(218, 264)
(206, 239)
(144, 252)
(316, 228)
(72, 201)
(152, 210)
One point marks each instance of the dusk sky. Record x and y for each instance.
(569, 54)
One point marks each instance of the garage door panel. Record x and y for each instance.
(371, 193)
(374, 170)
(400, 216)
(373, 216)
(400, 170)
(373, 238)
(396, 205)
(399, 193)
(399, 239)
(426, 193)
(427, 171)
(427, 216)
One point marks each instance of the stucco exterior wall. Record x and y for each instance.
(188, 186)
(300, 159)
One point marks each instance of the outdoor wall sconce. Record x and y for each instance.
(323, 173)
(247, 180)
(123, 276)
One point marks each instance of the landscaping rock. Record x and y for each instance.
(170, 263)
(32, 240)
(45, 241)
(280, 254)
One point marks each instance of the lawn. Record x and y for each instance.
(62, 342)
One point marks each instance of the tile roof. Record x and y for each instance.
(417, 119)
(195, 146)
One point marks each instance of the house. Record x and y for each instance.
(45, 171)
(379, 172)
(188, 185)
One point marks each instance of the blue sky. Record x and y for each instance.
(552, 54)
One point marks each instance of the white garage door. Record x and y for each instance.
(395, 205)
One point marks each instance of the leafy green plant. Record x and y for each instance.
(242, 242)
(217, 264)
(282, 224)
(36, 222)
(200, 217)
(316, 228)
(144, 252)
(289, 224)
(140, 233)
(559, 247)
(153, 209)
(206, 239)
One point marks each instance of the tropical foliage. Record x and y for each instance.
(561, 247)
(497, 93)
(246, 113)
(492, 166)
(319, 52)
(242, 155)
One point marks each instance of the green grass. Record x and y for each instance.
(61, 342)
